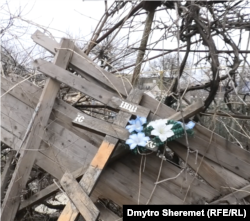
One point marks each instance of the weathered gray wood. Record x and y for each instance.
(48, 191)
(18, 130)
(5, 176)
(58, 143)
(189, 111)
(100, 160)
(162, 111)
(80, 62)
(89, 88)
(186, 186)
(219, 150)
(100, 126)
(222, 157)
(80, 199)
(49, 165)
(204, 169)
(85, 121)
(72, 80)
(231, 179)
(69, 112)
(119, 182)
(62, 114)
(27, 157)
(216, 140)
(234, 196)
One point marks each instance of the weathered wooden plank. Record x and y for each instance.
(119, 183)
(53, 167)
(5, 176)
(231, 156)
(89, 88)
(80, 199)
(72, 80)
(234, 196)
(27, 158)
(231, 179)
(80, 62)
(219, 142)
(33, 92)
(204, 169)
(222, 157)
(58, 143)
(87, 122)
(189, 111)
(187, 187)
(62, 114)
(98, 163)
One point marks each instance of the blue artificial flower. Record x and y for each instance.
(137, 139)
(136, 125)
(188, 126)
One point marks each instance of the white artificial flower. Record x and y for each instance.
(162, 130)
(156, 122)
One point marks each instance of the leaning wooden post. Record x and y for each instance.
(142, 48)
(32, 143)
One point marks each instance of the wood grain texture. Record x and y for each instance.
(100, 126)
(234, 197)
(87, 67)
(103, 153)
(160, 110)
(57, 144)
(72, 80)
(222, 157)
(197, 164)
(27, 158)
(88, 88)
(189, 111)
(62, 114)
(80, 199)
(119, 183)
(93, 173)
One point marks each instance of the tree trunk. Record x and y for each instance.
(143, 46)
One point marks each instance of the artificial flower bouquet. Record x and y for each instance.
(152, 135)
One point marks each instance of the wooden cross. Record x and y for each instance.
(98, 163)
